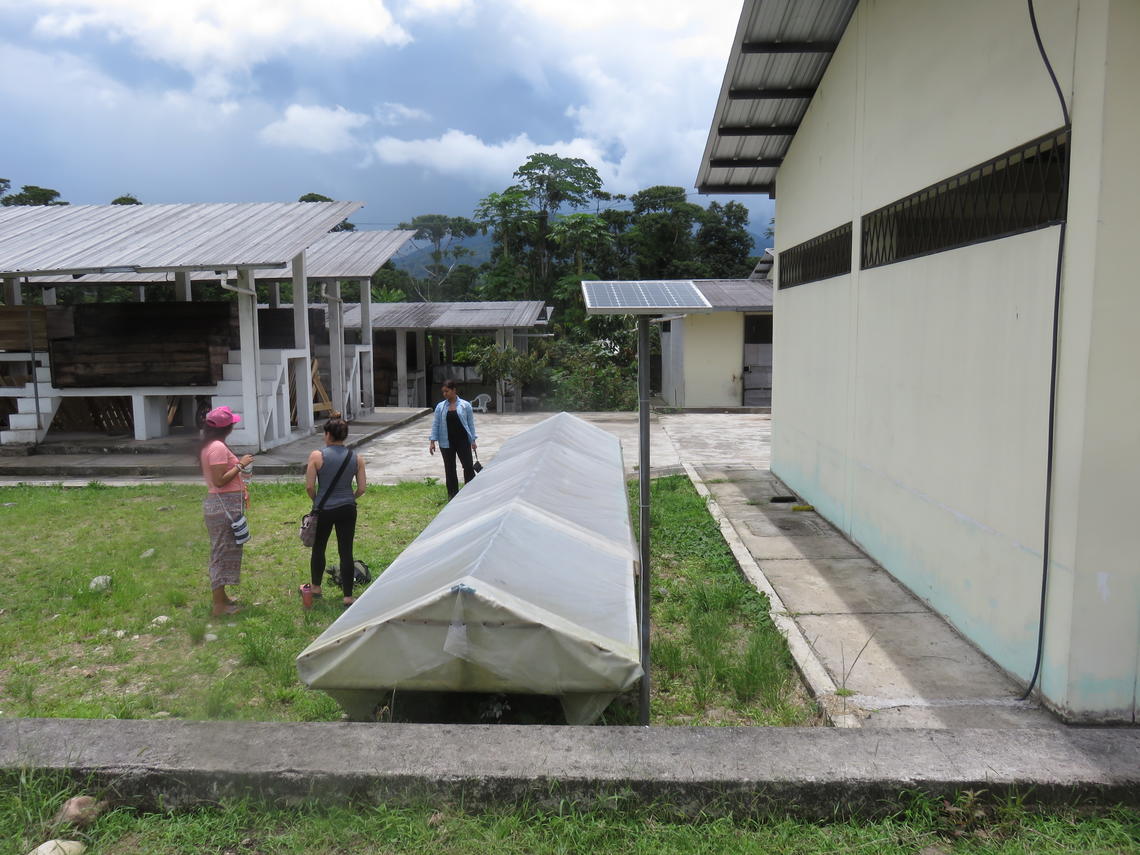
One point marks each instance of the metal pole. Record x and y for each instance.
(643, 482)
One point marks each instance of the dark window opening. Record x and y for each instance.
(822, 257)
(1018, 191)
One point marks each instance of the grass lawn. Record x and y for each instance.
(927, 827)
(148, 647)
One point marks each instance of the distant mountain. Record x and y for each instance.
(415, 260)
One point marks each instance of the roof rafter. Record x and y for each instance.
(788, 47)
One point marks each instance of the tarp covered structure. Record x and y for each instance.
(524, 583)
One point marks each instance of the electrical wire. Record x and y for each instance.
(1049, 451)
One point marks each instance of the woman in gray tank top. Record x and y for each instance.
(339, 508)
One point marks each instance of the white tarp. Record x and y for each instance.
(525, 582)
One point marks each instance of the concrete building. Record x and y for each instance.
(955, 352)
(722, 358)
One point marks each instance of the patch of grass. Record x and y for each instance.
(28, 803)
(71, 651)
(717, 657)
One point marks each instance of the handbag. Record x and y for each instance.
(308, 530)
(240, 526)
(477, 466)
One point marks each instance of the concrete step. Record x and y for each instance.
(18, 436)
(28, 405)
(27, 421)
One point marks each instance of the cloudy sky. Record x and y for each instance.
(412, 106)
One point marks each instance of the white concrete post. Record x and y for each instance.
(250, 358)
(366, 378)
(421, 372)
(182, 290)
(500, 344)
(303, 379)
(274, 295)
(13, 294)
(49, 296)
(336, 346)
(140, 293)
(401, 368)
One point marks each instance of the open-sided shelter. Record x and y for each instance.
(402, 332)
(956, 305)
(524, 583)
(163, 353)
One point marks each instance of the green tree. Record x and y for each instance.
(30, 194)
(445, 234)
(579, 234)
(508, 218)
(390, 284)
(125, 199)
(551, 182)
(661, 236)
(723, 243)
(343, 225)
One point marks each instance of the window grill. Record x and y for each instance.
(820, 257)
(1019, 191)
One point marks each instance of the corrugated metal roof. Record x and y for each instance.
(450, 316)
(737, 295)
(779, 55)
(338, 255)
(350, 255)
(91, 238)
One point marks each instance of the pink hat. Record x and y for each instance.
(220, 417)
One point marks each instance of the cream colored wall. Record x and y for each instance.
(713, 359)
(910, 402)
(673, 364)
(1092, 662)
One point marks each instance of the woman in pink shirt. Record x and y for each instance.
(225, 501)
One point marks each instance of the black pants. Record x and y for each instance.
(342, 518)
(463, 452)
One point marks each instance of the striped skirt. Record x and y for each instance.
(225, 555)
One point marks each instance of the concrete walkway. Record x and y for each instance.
(930, 710)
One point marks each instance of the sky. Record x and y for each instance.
(410, 106)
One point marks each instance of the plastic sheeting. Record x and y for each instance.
(524, 582)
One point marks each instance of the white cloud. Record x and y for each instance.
(486, 164)
(317, 128)
(392, 113)
(218, 40)
(645, 76)
(413, 9)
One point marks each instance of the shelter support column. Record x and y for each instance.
(500, 344)
(367, 380)
(49, 297)
(274, 295)
(336, 345)
(303, 374)
(182, 291)
(140, 293)
(13, 294)
(249, 356)
(401, 368)
(421, 369)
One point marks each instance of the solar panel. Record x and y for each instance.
(643, 298)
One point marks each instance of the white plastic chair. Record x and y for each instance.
(480, 403)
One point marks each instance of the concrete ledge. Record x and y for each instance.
(810, 772)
